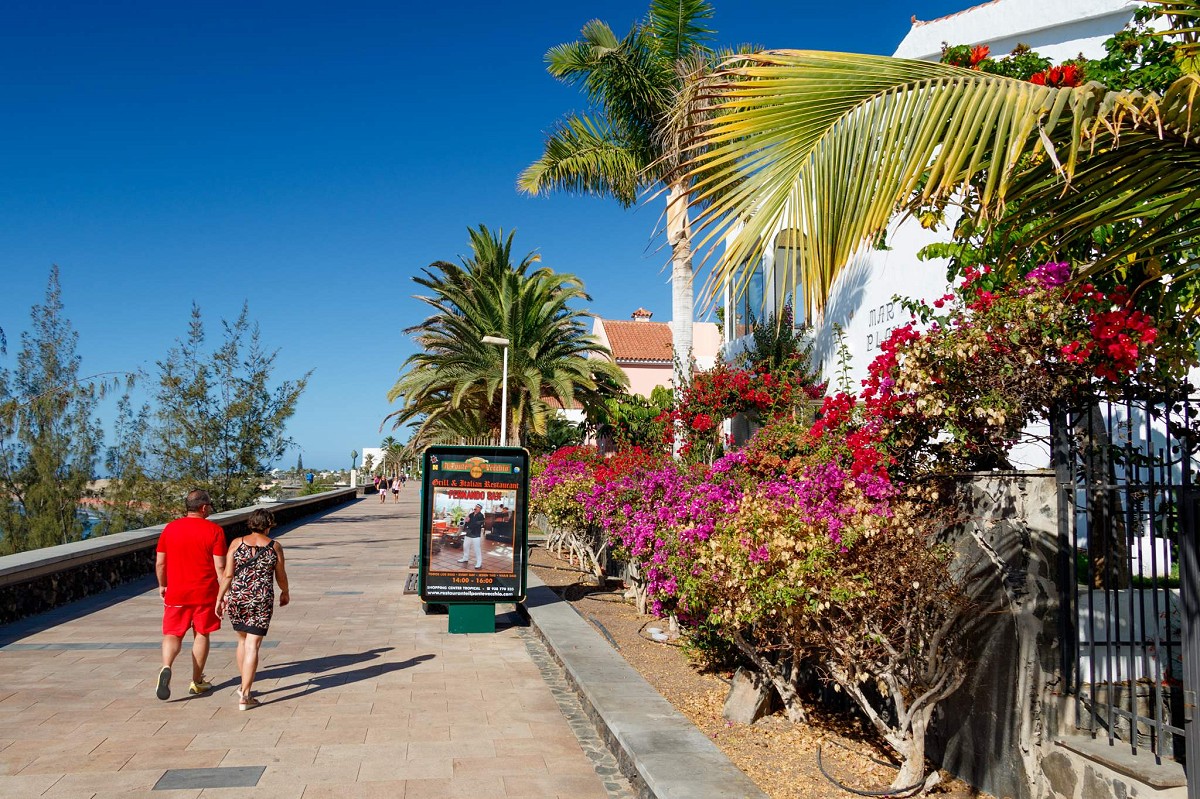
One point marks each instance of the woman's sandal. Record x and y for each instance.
(246, 702)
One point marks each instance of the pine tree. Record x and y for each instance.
(300, 464)
(220, 424)
(49, 439)
(132, 498)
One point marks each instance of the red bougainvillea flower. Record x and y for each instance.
(1065, 76)
(978, 54)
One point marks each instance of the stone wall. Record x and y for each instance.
(37, 581)
(994, 730)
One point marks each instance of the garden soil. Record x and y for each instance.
(781, 757)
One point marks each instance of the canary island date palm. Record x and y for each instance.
(628, 144)
(455, 379)
(833, 144)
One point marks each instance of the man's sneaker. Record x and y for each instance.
(201, 687)
(164, 683)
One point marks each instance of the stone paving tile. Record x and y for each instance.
(364, 694)
(457, 789)
(77, 783)
(174, 794)
(27, 784)
(393, 789)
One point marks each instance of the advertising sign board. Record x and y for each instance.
(474, 513)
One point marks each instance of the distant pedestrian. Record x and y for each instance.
(254, 565)
(403, 478)
(396, 488)
(381, 485)
(189, 559)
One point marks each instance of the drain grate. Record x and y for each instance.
(192, 778)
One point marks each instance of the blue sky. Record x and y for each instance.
(308, 158)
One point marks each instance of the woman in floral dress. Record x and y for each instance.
(253, 566)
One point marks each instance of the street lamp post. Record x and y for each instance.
(502, 342)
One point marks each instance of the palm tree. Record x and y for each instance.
(831, 144)
(630, 143)
(454, 382)
(393, 457)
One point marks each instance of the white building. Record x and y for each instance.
(376, 455)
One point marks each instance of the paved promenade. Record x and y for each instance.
(363, 694)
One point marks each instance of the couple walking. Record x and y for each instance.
(200, 579)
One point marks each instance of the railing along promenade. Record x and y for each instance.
(42, 579)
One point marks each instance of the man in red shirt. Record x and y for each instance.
(191, 555)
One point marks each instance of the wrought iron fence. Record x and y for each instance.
(1126, 470)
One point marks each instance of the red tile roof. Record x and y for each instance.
(643, 342)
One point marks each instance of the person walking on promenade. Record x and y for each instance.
(381, 485)
(473, 529)
(190, 557)
(254, 565)
(396, 488)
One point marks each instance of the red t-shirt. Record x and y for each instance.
(190, 544)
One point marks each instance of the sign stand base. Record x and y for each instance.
(476, 617)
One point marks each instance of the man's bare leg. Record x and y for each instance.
(170, 649)
(199, 656)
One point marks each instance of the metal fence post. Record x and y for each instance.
(1064, 481)
(1189, 602)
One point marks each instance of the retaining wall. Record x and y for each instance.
(42, 579)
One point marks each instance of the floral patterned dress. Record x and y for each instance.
(251, 597)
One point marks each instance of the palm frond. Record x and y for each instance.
(678, 26)
(829, 145)
(584, 156)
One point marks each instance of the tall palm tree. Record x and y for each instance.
(831, 144)
(393, 457)
(629, 144)
(456, 379)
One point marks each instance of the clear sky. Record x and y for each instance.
(308, 158)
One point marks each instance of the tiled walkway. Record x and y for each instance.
(363, 694)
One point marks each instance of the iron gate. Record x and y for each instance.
(1126, 470)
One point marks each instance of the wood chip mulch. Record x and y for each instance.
(781, 757)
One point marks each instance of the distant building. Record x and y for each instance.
(644, 349)
(376, 455)
(645, 352)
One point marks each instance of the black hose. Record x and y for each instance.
(890, 792)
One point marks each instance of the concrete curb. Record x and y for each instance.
(663, 755)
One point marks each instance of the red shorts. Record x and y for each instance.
(178, 618)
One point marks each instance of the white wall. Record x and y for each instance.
(1058, 31)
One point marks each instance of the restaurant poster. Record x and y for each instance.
(474, 512)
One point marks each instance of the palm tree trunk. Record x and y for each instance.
(679, 236)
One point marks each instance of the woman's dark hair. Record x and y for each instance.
(260, 521)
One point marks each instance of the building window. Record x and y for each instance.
(748, 301)
(788, 287)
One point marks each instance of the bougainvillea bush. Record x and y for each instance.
(954, 391)
(560, 490)
(817, 546)
(762, 391)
